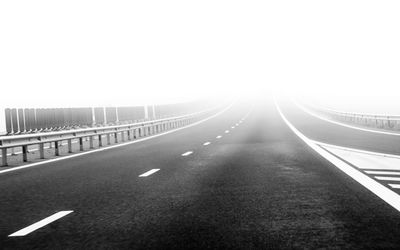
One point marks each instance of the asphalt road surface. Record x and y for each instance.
(258, 186)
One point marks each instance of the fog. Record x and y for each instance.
(99, 53)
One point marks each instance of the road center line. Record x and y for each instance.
(187, 153)
(206, 143)
(150, 172)
(39, 224)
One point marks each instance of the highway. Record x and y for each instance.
(240, 180)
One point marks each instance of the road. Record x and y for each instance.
(258, 186)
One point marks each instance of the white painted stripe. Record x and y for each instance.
(366, 161)
(357, 150)
(206, 143)
(115, 146)
(342, 124)
(226, 131)
(187, 153)
(390, 197)
(233, 127)
(387, 178)
(394, 185)
(219, 137)
(150, 172)
(39, 224)
(382, 172)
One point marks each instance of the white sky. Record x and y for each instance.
(90, 53)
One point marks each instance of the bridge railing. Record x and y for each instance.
(126, 131)
(380, 121)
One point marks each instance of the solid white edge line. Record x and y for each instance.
(375, 187)
(114, 146)
(187, 153)
(150, 172)
(40, 224)
(340, 123)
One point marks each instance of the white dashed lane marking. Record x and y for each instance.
(206, 143)
(39, 224)
(219, 137)
(150, 172)
(187, 153)
(226, 131)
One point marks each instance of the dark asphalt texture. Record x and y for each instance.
(258, 187)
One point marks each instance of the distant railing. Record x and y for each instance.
(131, 131)
(29, 120)
(379, 121)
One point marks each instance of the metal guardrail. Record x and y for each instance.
(390, 122)
(132, 131)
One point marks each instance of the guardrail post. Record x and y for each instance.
(108, 139)
(4, 157)
(116, 137)
(69, 145)
(122, 136)
(129, 135)
(80, 143)
(41, 150)
(91, 142)
(24, 153)
(136, 133)
(140, 132)
(56, 150)
(100, 141)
